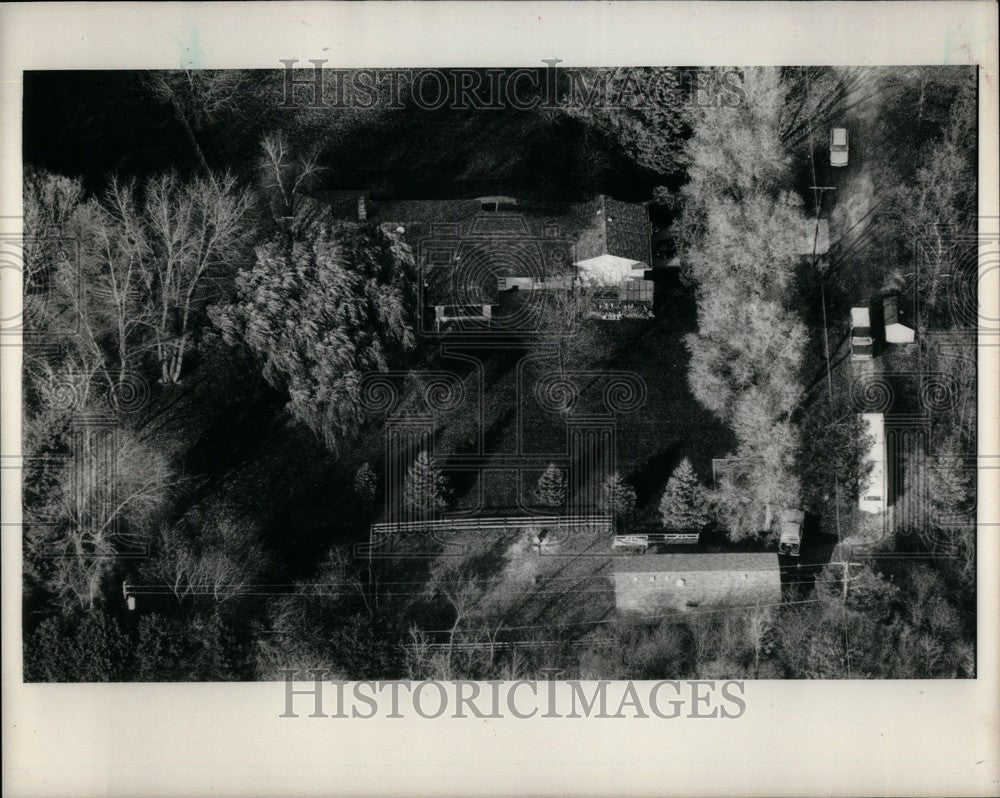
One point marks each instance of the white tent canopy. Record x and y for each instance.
(606, 271)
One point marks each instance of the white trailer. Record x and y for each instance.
(872, 498)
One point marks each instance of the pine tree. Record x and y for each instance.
(617, 497)
(684, 506)
(551, 488)
(426, 488)
(365, 484)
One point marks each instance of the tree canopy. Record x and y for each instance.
(740, 234)
(684, 505)
(321, 314)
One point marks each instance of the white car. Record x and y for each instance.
(862, 345)
(791, 532)
(838, 146)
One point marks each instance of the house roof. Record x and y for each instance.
(615, 228)
(697, 561)
(425, 211)
(893, 313)
(601, 226)
(609, 238)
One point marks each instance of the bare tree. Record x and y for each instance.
(198, 97)
(110, 489)
(563, 328)
(286, 174)
(187, 571)
(461, 592)
(64, 286)
(757, 624)
(194, 230)
(123, 249)
(418, 654)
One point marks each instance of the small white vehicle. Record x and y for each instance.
(862, 345)
(791, 532)
(838, 146)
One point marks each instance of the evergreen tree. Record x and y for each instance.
(684, 505)
(87, 647)
(551, 489)
(426, 488)
(617, 497)
(365, 484)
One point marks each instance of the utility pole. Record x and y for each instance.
(818, 195)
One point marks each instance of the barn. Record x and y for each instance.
(656, 583)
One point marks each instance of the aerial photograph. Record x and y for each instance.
(500, 373)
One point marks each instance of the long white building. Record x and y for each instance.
(873, 498)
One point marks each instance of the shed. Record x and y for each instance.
(897, 331)
(654, 583)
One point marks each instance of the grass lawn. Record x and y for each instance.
(572, 588)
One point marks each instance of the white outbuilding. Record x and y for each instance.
(872, 498)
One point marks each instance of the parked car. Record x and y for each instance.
(862, 346)
(791, 532)
(838, 146)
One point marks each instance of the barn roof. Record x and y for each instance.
(697, 561)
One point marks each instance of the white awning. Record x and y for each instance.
(608, 270)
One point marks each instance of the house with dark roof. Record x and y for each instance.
(617, 230)
(652, 584)
(472, 251)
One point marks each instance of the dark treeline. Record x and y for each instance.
(138, 124)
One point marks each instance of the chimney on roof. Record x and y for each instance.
(362, 208)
